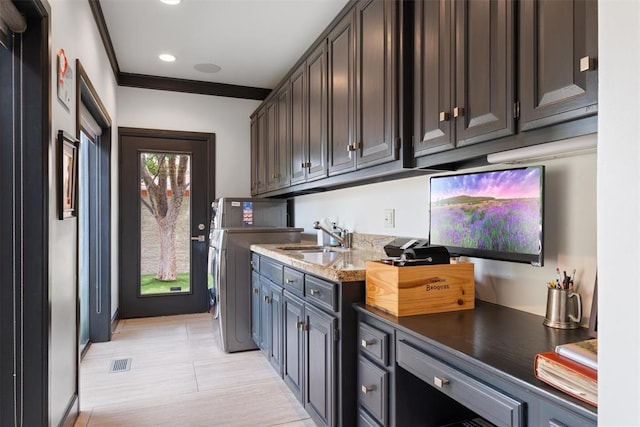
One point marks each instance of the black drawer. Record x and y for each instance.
(373, 389)
(484, 400)
(321, 292)
(271, 270)
(294, 281)
(374, 343)
(255, 261)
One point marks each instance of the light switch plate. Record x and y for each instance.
(390, 218)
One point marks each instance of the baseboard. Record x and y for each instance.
(114, 320)
(72, 413)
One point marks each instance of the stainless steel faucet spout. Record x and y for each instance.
(344, 238)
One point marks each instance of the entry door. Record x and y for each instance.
(166, 186)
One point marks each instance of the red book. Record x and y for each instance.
(566, 375)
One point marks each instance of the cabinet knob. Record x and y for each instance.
(289, 281)
(366, 389)
(314, 292)
(366, 343)
(444, 116)
(351, 147)
(267, 299)
(440, 382)
(255, 290)
(587, 63)
(458, 111)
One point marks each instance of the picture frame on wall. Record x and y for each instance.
(67, 175)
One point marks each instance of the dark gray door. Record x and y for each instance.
(265, 316)
(558, 50)
(275, 354)
(320, 364)
(255, 307)
(317, 113)
(166, 187)
(293, 312)
(299, 145)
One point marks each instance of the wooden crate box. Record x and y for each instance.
(407, 291)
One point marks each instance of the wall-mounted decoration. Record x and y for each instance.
(65, 79)
(67, 174)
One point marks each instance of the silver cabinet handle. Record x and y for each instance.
(444, 116)
(458, 111)
(314, 292)
(199, 238)
(587, 63)
(366, 343)
(440, 382)
(256, 290)
(289, 281)
(366, 389)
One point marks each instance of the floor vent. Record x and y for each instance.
(120, 365)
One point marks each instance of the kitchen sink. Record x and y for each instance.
(312, 249)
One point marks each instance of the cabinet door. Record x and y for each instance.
(261, 157)
(317, 113)
(375, 82)
(299, 142)
(484, 98)
(283, 138)
(265, 316)
(255, 307)
(271, 146)
(342, 155)
(275, 356)
(293, 368)
(558, 50)
(254, 155)
(319, 396)
(433, 124)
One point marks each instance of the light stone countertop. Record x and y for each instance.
(337, 265)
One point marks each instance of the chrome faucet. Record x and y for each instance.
(344, 237)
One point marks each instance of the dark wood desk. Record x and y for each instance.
(490, 349)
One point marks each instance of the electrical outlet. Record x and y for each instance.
(390, 218)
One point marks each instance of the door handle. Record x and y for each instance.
(199, 238)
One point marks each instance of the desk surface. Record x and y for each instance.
(498, 337)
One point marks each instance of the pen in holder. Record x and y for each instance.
(564, 309)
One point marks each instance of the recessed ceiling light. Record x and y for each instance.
(207, 68)
(171, 2)
(166, 57)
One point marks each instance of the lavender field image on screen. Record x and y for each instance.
(496, 211)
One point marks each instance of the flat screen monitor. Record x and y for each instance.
(494, 214)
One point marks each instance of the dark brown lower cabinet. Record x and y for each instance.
(313, 322)
(450, 368)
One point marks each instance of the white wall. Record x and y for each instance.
(569, 234)
(619, 213)
(72, 29)
(228, 118)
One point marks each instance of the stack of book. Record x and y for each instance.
(572, 368)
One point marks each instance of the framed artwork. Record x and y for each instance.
(593, 318)
(67, 175)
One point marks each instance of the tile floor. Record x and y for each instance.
(179, 376)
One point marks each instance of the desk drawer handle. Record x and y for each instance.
(315, 292)
(366, 389)
(366, 343)
(289, 281)
(440, 382)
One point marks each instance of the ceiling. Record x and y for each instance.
(254, 42)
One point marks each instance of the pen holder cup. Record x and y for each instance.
(564, 309)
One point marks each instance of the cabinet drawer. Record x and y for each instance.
(373, 389)
(555, 416)
(255, 261)
(365, 420)
(374, 343)
(294, 281)
(484, 400)
(271, 270)
(321, 292)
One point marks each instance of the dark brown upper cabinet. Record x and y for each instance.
(278, 140)
(558, 61)
(258, 151)
(463, 73)
(341, 81)
(363, 105)
(309, 118)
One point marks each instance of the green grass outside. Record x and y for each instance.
(150, 285)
